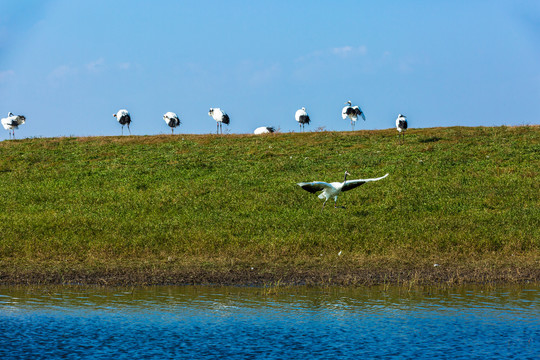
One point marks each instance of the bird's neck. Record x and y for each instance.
(345, 179)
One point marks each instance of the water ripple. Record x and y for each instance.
(239, 323)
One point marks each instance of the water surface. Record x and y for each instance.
(285, 323)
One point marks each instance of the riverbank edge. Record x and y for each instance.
(341, 272)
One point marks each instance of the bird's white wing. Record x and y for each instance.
(261, 130)
(6, 123)
(299, 113)
(358, 111)
(314, 186)
(344, 112)
(351, 184)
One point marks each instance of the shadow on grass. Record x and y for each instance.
(430, 140)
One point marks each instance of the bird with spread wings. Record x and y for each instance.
(332, 190)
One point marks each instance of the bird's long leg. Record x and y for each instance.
(335, 204)
(122, 129)
(129, 130)
(324, 203)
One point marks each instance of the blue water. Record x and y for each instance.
(254, 323)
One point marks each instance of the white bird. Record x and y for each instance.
(12, 122)
(332, 190)
(401, 125)
(264, 130)
(302, 117)
(172, 120)
(220, 116)
(352, 112)
(123, 118)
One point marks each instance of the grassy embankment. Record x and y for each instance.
(225, 209)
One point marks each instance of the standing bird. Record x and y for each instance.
(172, 120)
(123, 118)
(352, 112)
(12, 122)
(264, 130)
(302, 117)
(332, 190)
(401, 126)
(221, 117)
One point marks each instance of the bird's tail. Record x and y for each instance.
(226, 119)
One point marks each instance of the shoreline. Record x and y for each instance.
(342, 273)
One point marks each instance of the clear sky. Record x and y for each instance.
(68, 65)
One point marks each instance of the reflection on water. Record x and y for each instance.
(227, 322)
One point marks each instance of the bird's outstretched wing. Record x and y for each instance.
(20, 119)
(351, 184)
(314, 186)
(362, 115)
(344, 113)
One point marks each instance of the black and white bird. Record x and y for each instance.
(123, 118)
(332, 190)
(352, 112)
(221, 118)
(12, 122)
(264, 130)
(302, 117)
(172, 120)
(401, 125)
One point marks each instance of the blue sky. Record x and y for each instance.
(68, 65)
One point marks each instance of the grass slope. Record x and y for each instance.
(206, 208)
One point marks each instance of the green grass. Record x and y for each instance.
(452, 193)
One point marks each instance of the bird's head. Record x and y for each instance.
(348, 102)
(10, 114)
(114, 115)
(346, 173)
(303, 108)
(211, 111)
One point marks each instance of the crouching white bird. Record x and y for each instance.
(221, 117)
(264, 130)
(172, 120)
(401, 125)
(12, 122)
(302, 117)
(123, 118)
(332, 190)
(352, 112)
